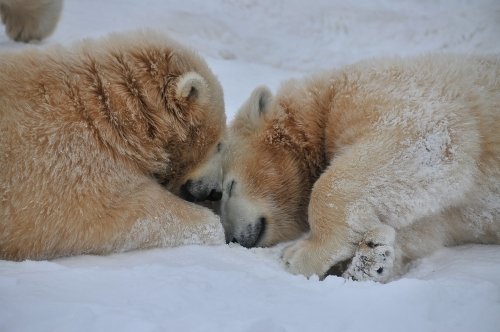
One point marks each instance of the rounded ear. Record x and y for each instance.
(252, 111)
(192, 87)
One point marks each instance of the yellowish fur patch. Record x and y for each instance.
(87, 134)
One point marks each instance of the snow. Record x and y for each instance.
(229, 288)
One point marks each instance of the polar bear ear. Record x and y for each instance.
(192, 87)
(253, 110)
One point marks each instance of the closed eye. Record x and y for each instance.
(230, 187)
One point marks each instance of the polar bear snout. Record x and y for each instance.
(250, 235)
(205, 181)
(245, 221)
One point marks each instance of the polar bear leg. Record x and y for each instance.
(165, 220)
(330, 239)
(147, 216)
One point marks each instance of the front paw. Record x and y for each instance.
(374, 258)
(306, 257)
(205, 228)
(371, 263)
(211, 231)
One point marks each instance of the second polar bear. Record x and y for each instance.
(382, 162)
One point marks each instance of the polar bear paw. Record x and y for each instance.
(305, 257)
(372, 261)
(207, 232)
(374, 258)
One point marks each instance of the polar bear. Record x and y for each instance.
(380, 162)
(27, 20)
(97, 141)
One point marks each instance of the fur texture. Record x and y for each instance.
(27, 20)
(383, 162)
(88, 133)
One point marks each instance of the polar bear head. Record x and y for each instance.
(198, 153)
(203, 182)
(165, 106)
(264, 189)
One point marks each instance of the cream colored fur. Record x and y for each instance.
(384, 162)
(90, 131)
(27, 20)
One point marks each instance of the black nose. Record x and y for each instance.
(186, 192)
(215, 195)
(253, 234)
(197, 192)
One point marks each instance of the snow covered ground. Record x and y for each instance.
(230, 288)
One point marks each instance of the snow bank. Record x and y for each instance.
(230, 288)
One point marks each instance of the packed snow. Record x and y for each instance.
(230, 288)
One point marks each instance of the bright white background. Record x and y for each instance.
(230, 288)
